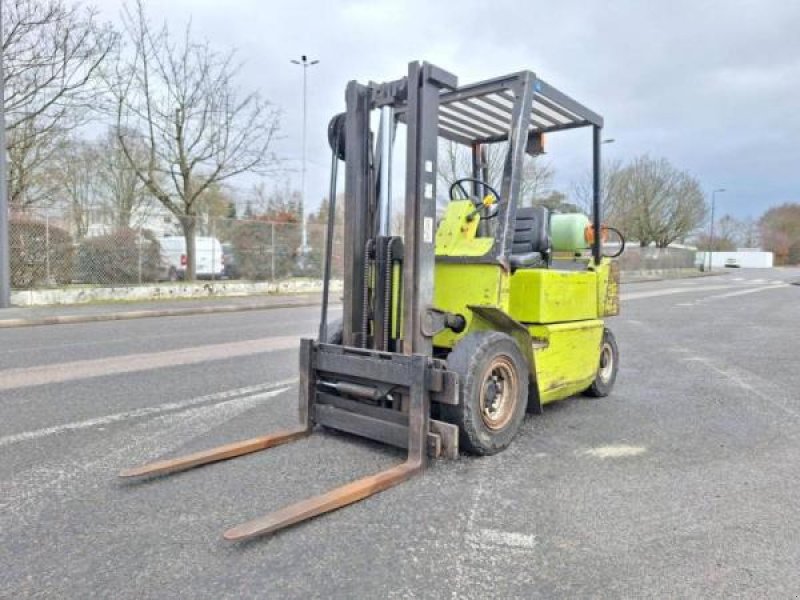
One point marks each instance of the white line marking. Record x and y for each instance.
(742, 292)
(128, 363)
(70, 473)
(737, 377)
(496, 537)
(616, 451)
(670, 291)
(262, 391)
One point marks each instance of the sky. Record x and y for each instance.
(713, 86)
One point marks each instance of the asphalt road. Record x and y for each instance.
(683, 483)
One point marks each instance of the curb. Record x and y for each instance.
(146, 314)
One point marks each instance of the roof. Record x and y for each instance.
(483, 112)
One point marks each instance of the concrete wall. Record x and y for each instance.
(198, 289)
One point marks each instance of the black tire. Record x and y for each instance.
(606, 372)
(334, 332)
(483, 360)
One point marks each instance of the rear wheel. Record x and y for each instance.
(493, 391)
(607, 369)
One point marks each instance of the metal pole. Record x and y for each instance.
(139, 246)
(597, 217)
(5, 248)
(304, 238)
(711, 237)
(47, 247)
(386, 130)
(326, 273)
(305, 63)
(213, 251)
(272, 254)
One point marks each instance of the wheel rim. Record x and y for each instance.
(606, 363)
(499, 392)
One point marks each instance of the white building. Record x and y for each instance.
(747, 258)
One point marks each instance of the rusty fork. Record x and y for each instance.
(339, 497)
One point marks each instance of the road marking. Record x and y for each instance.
(670, 291)
(253, 392)
(496, 537)
(115, 365)
(739, 377)
(616, 451)
(742, 292)
(67, 474)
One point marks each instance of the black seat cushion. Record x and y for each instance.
(531, 243)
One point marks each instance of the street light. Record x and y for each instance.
(711, 237)
(305, 63)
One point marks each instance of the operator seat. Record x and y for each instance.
(531, 246)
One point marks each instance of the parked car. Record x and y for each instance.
(732, 263)
(209, 260)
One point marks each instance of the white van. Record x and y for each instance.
(208, 257)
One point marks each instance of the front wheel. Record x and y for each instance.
(607, 369)
(493, 391)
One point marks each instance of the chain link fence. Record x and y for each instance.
(48, 250)
(636, 258)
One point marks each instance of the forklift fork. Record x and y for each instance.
(417, 443)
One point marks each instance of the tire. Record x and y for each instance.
(335, 329)
(483, 360)
(606, 371)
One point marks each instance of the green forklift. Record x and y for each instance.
(472, 318)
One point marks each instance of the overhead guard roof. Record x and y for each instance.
(482, 112)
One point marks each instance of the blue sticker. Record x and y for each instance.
(537, 85)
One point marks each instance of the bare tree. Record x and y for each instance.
(651, 201)
(124, 196)
(750, 235)
(52, 51)
(455, 162)
(583, 192)
(72, 174)
(179, 98)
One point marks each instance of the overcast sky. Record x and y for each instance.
(713, 86)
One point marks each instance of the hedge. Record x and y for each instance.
(41, 254)
(117, 258)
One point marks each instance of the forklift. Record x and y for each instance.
(454, 331)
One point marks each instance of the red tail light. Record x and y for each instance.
(183, 260)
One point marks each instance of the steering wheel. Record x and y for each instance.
(486, 211)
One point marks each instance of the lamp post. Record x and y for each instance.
(711, 236)
(305, 63)
(5, 246)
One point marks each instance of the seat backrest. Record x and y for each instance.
(531, 230)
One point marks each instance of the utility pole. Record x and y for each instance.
(5, 267)
(711, 237)
(305, 63)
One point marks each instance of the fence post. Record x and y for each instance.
(139, 246)
(47, 249)
(272, 267)
(213, 250)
